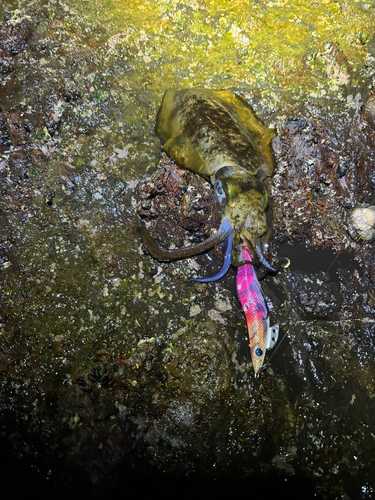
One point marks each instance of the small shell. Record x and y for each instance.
(361, 223)
(285, 263)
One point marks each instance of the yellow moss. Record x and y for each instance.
(193, 42)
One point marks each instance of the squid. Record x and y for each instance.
(217, 135)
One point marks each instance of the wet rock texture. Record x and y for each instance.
(113, 366)
(179, 205)
(311, 208)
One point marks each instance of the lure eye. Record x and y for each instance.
(259, 351)
(220, 193)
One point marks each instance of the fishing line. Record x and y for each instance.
(274, 352)
(334, 260)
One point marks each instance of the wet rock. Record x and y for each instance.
(69, 92)
(359, 153)
(5, 140)
(22, 165)
(361, 223)
(19, 163)
(368, 115)
(203, 366)
(18, 129)
(181, 205)
(106, 410)
(308, 197)
(16, 37)
(340, 171)
(5, 64)
(196, 205)
(316, 297)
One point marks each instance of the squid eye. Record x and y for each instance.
(220, 193)
(259, 351)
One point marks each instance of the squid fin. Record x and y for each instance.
(182, 151)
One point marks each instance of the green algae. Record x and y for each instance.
(299, 46)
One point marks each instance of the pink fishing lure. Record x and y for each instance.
(261, 335)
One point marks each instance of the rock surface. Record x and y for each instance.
(114, 368)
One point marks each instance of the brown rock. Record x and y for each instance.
(369, 112)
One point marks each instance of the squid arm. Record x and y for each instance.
(263, 260)
(182, 253)
(227, 248)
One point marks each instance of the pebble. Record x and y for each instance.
(361, 223)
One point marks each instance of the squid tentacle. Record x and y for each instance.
(227, 249)
(182, 253)
(264, 261)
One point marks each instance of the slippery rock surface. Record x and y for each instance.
(115, 368)
(311, 208)
(178, 204)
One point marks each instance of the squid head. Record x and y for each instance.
(244, 199)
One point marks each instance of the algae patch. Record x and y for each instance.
(295, 45)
